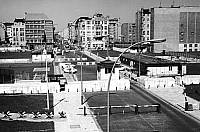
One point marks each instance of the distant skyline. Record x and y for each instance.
(64, 11)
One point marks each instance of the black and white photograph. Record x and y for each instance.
(99, 65)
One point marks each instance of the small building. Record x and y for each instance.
(104, 69)
(152, 66)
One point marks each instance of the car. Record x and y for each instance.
(70, 70)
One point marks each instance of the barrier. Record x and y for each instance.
(98, 85)
(25, 87)
(137, 109)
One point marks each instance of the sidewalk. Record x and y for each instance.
(93, 56)
(75, 121)
(175, 96)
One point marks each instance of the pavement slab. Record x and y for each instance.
(75, 120)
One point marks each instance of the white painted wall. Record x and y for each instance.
(39, 58)
(103, 76)
(157, 82)
(25, 87)
(98, 85)
(188, 79)
(162, 71)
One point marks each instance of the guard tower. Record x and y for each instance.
(104, 69)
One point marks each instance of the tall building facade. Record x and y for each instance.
(128, 33)
(92, 32)
(114, 30)
(143, 25)
(8, 31)
(18, 33)
(179, 25)
(38, 25)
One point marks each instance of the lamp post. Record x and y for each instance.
(45, 41)
(108, 90)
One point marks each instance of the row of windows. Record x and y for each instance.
(18, 34)
(191, 45)
(96, 45)
(22, 39)
(190, 50)
(38, 41)
(34, 26)
(143, 32)
(94, 27)
(39, 22)
(97, 22)
(18, 29)
(97, 33)
(145, 19)
(34, 36)
(35, 31)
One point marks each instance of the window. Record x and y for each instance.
(190, 50)
(88, 27)
(88, 38)
(185, 50)
(105, 22)
(196, 45)
(195, 50)
(147, 25)
(147, 32)
(185, 45)
(108, 70)
(143, 32)
(190, 45)
(105, 28)
(88, 22)
(170, 68)
(98, 33)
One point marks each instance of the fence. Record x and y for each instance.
(98, 85)
(29, 87)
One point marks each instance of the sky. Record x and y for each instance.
(64, 11)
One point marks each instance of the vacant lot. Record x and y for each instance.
(89, 72)
(129, 121)
(28, 103)
(24, 102)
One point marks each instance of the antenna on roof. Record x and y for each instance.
(160, 6)
(172, 4)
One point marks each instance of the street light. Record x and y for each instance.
(108, 90)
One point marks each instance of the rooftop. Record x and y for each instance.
(36, 16)
(19, 20)
(148, 59)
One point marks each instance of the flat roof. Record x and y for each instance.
(148, 59)
(36, 16)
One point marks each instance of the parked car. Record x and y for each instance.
(70, 70)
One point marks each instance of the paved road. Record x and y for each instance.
(75, 121)
(187, 121)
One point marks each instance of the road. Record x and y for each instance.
(169, 120)
(182, 118)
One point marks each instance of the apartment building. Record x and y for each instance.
(114, 30)
(92, 32)
(128, 33)
(179, 25)
(8, 31)
(38, 25)
(18, 33)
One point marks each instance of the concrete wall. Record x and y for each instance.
(166, 25)
(162, 71)
(39, 58)
(102, 85)
(15, 61)
(188, 79)
(30, 86)
(157, 82)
